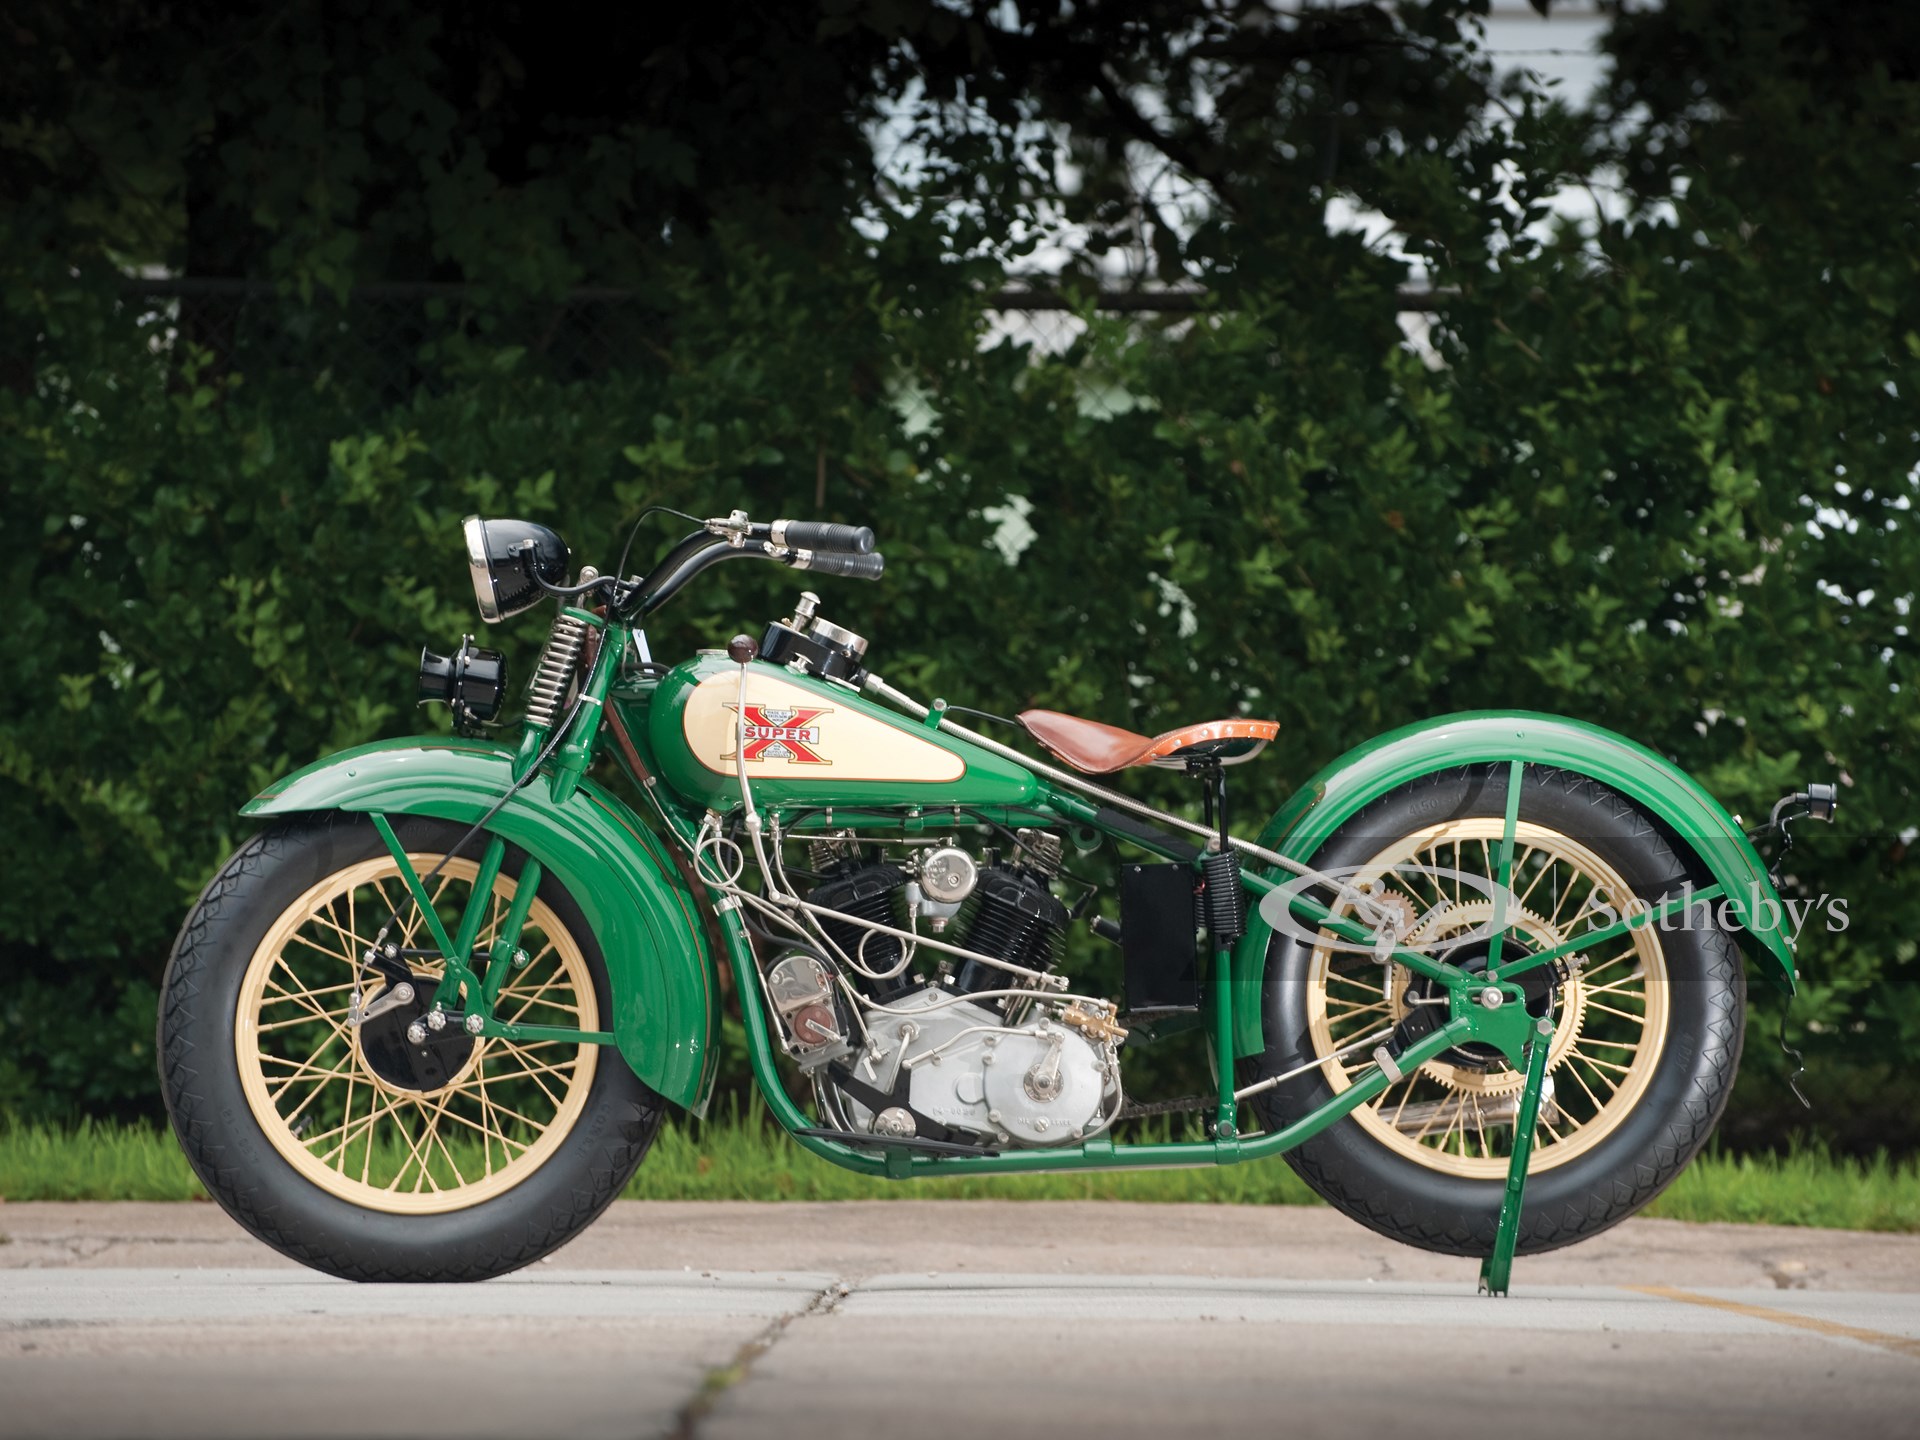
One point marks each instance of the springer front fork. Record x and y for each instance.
(465, 998)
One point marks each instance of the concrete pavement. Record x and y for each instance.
(956, 1319)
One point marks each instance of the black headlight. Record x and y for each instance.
(509, 561)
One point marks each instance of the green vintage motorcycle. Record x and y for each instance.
(1479, 980)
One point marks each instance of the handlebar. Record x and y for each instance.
(838, 562)
(704, 549)
(821, 535)
(816, 535)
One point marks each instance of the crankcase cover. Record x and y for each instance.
(1046, 1085)
(1043, 1099)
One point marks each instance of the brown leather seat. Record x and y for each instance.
(1101, 749)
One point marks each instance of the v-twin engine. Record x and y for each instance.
(1042, 1082)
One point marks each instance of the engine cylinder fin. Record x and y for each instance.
(866, 892)
(1012, 915)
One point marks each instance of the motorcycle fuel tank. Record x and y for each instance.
(811, 742)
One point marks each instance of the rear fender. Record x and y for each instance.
(665, 1005)
(1364, 774)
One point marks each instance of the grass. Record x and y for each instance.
(746, 1159)
(1802, 1187)
(93, 1162)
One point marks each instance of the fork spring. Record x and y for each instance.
(553, 676)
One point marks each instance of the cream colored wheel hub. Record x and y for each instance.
(359, 1130)
(1456, 1113)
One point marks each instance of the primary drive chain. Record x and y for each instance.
(1185, 1104)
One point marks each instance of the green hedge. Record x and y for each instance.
(1656, 476)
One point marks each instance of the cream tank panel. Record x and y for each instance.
(796, 734)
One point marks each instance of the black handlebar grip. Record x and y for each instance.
(823, 535)
(836, 562)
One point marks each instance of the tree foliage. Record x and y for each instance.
(1650, 466)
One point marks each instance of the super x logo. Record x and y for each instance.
(781, 733)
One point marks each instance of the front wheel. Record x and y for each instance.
(1646, 1032)
(347, 1147)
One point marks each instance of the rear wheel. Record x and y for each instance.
(1646, 1031)
(349, 1147)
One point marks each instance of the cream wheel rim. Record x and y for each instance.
(356, 1134)
(1610, 1015)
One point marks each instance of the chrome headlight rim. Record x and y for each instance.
(478, 569)
(514, 564)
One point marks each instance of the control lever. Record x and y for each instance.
(840, 562)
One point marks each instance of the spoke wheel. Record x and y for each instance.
(1646, 1029)
(360, 1151)
(354, 1126)
(1456, 1113)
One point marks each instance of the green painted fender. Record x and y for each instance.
(666, 1009)
(1385, 763)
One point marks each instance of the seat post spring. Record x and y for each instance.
(1226, 902)
(553, 676)
(1220, 905)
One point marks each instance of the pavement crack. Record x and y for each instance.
(722, 1378)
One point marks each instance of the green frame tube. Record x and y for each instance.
(1503, 876)
(1467, 1022)
(500, 958)
(456, 973)
(1227, 1110)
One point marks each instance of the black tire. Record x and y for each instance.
(1406, 1200)
(258, 1186)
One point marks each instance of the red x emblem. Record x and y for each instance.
(783, 733)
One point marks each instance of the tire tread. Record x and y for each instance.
(1691, 1122)
(249, 1197)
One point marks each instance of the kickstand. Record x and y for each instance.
(1497, 1268)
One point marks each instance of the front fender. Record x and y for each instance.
(1367, 772)
(665, 1006)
